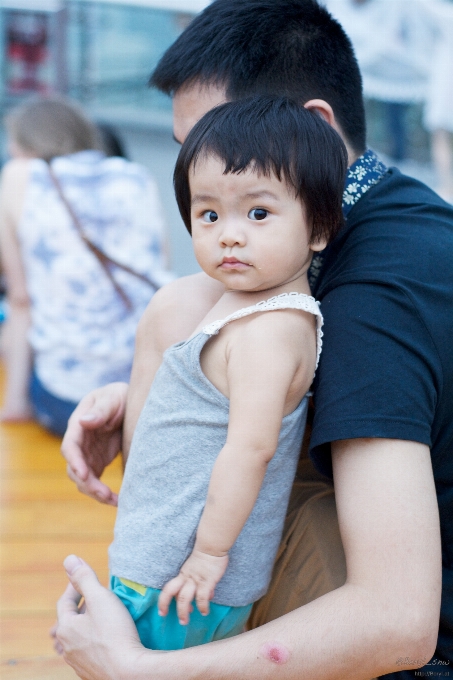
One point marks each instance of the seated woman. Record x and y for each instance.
(82, 242)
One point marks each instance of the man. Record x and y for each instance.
(383, 394)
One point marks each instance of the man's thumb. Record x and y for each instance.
(72, 563)
(80, 574)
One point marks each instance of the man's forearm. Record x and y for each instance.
(344, 634)
(384, 619)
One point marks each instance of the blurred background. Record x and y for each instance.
(101, 53)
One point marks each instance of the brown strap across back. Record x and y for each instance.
(104, 260)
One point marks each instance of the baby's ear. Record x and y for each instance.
(318, 245)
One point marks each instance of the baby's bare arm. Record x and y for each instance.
(265, 356)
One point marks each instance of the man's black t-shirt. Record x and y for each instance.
(386, 370)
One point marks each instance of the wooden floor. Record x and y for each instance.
(43, 518)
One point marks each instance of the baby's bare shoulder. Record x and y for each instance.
(278, 348)
(280, 323)
(287, 330)
(177, 308)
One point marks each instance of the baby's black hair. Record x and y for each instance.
(272, 135)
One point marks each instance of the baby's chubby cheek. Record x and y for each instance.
(275, 652)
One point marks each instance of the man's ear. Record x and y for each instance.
(323, 108)
(318, 245)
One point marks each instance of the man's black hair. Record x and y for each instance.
(292, 48)
(272, 135)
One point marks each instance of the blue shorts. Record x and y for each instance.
(50, 411)
(165, 632)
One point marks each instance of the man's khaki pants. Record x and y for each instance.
(310, 561)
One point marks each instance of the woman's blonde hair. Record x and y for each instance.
(46, 127)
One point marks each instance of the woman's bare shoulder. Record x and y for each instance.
(16, 169)
(14, 179)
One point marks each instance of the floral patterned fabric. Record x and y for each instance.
(363, 174)
(82, 334)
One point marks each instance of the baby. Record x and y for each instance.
(259, 185)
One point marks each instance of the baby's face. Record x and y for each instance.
(249, 231)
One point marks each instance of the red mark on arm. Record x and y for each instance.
(275, 652)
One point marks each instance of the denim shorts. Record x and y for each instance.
(50, 411)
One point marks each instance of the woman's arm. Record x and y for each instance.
(15, 347)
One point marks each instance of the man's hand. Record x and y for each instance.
(197, 580)
(93, 439)
(99, 640)
(95, 429)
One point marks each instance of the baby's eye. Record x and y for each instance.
(210, 216)
(258, 214)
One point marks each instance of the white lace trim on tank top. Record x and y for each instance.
(305, 303)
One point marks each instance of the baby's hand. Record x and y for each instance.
(197, 580)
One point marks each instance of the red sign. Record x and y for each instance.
(27, 52)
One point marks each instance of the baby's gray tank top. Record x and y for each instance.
(179, 434)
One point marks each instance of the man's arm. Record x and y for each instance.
(384, 619)
(95, 429)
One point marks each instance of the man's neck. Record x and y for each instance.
(352, 155)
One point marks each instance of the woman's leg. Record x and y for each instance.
(17, 354)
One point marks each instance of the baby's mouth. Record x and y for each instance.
(233, 263)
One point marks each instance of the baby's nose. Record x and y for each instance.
(232, 234)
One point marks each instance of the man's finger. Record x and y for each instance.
(101, 410)
(68, 604)
(93, 487)
(88, 415)
(56, 644)
(71, 450)
(81, 576)
(58, 647)
(71, 446)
